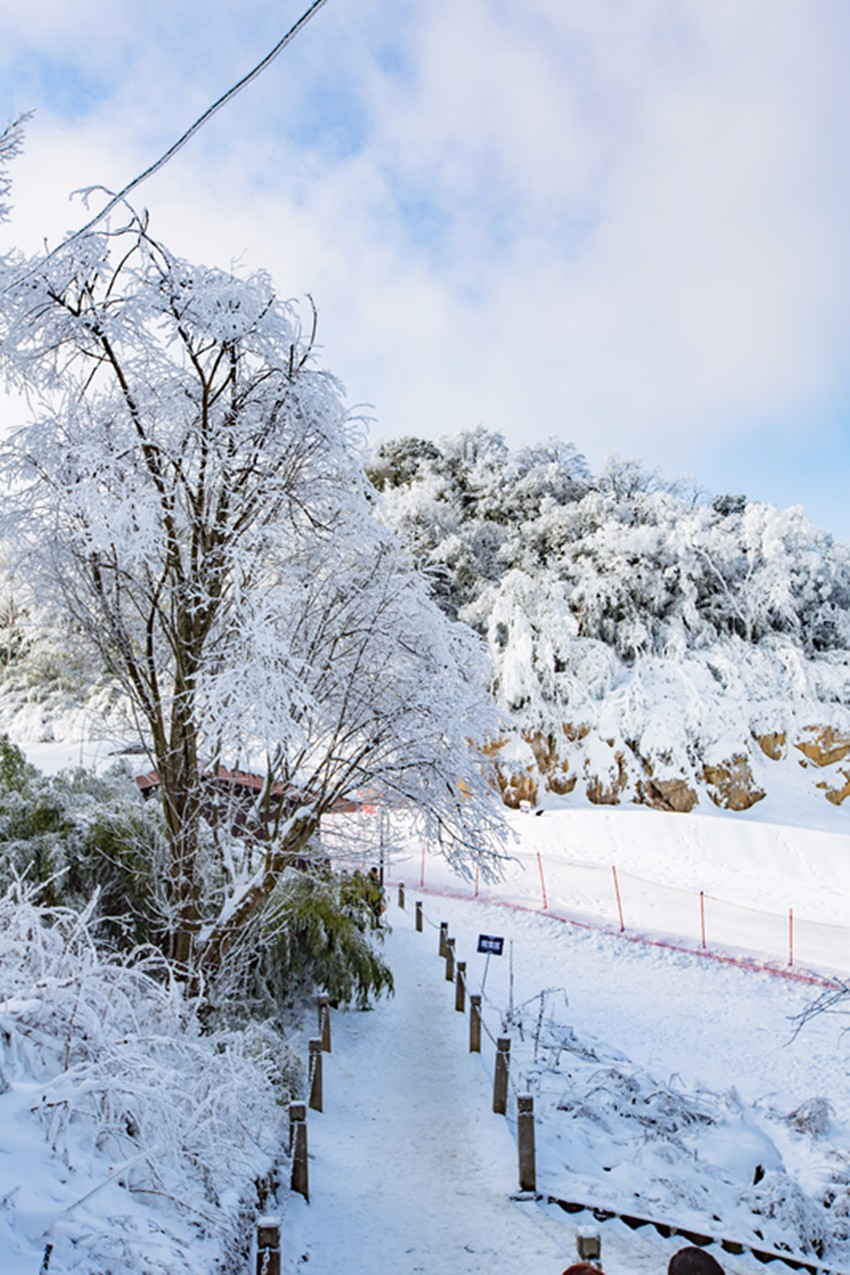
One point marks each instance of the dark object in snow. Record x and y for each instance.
(582, 1268)
(492, 944)
(375, 897)
(693, 1261)
(812, 1116)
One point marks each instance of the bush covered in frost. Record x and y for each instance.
(637, 607)
(140, 1134)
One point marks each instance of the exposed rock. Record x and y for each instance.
(666, 794)
(544, 749)
(554, 771)
(575, 733)
(837, 795)
(773, 745)
(560, 781)
(604, 790)
(607, 769)
(731, 784)
(825, 746)
(516, 787)
(645, 763)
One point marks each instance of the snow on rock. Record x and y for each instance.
(642, 636)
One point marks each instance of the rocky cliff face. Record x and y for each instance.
(609, 772)
(826, 748)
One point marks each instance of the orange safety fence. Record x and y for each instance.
(599, 896)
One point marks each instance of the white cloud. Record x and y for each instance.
(621, 222)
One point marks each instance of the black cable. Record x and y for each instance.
(190, 132)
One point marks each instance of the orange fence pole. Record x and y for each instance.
(702, 916)
(619, 900)
(542, 881)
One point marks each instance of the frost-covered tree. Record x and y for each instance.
(11, 141)
(190, 495)
(630, 605)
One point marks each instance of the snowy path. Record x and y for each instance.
(414, 1175)
(409, 1169)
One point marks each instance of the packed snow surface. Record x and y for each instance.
(661, 1082)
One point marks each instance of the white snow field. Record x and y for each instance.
(734, 885)
(661, 1081)
(664, 1083)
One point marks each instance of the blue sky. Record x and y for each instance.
(623, 223)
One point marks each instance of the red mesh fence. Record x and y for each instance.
(647, 911)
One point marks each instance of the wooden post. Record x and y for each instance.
(401, 894)
(450, 960)
(268, 1246)
(588, 1245)
(500, 1076)
(298, 1148)
(475, 1024)
(444, 934)
(325, 1022)
(315, 1075)
(525, 1142)
(460, 987)
(419, 915)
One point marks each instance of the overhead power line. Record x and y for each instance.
(198, 124)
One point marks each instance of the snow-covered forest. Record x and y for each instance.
(649, 642)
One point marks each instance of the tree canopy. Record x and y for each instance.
(189, 500)
(622, 602)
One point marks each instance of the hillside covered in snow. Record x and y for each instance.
(650, 644)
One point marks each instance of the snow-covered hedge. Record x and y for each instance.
(133, 1138)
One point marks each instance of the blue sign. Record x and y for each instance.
(492, 944)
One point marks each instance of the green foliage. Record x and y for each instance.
(123, 855)
(398, 462)
(317, 933)
(78, 833)
(16, 774)
(31, 824)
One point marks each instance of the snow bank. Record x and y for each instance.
(129, 1139)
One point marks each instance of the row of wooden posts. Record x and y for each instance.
(269, 1228)
(455, 972)
(268, 1234)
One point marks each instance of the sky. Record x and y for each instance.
(622, 223)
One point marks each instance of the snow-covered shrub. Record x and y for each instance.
(78, 832)
(316, 933)
(155, 1129)
(814, 1117)
(778, 1198)
(674, 628)
(614, 1135)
